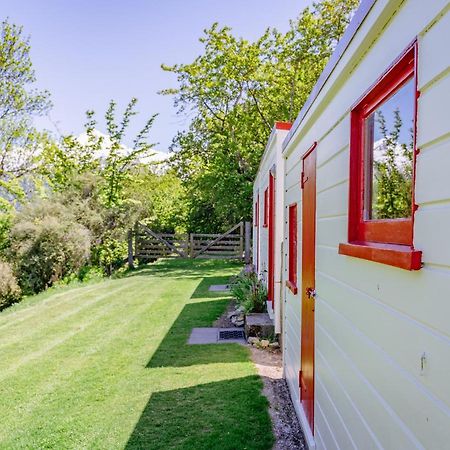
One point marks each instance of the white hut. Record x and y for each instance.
(268, 194)
(366, 314)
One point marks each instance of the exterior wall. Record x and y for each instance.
(272, 158)
(375, 322)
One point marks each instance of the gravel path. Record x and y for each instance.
(286, 427)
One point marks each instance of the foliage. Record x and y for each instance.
(249, 292)
(394, 172)
(5, 227)
(234, 91)
(96, 176)
(105, 155)
(162, 200)
(9, 289)
(19, 102)
(110, 254)
(47, 244)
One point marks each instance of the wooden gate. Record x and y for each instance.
(221, 246)
(149, 245)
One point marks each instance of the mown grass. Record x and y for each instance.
(106, 366)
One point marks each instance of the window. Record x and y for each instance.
(266, 208)
(382, 163)
(256, 214)
(291, 283)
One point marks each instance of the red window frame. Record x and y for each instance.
(266, 208)
(388, 241)
(291, 282)
(256, 213)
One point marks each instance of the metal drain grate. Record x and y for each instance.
(231, 334)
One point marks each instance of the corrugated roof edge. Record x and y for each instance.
(355, 23)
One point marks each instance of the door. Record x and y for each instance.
(308, 284)
(271, 256)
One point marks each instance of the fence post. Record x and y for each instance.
(248, 230)
(130, 249)
(136, 240)
(191, 250)
(241, 239)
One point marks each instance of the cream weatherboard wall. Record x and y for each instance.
(382, 355)
(272, 160)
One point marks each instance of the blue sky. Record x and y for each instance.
(89, 51)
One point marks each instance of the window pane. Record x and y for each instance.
(389, 141)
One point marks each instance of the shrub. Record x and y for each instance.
(9, 289)
(110, 254)
(47, 244)
(249, 292)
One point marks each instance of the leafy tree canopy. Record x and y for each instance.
(233, 93)
(19, 103)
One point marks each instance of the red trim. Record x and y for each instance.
(306, 154)
(292, 287)
(266, 208)
(310, 150)
(271, 255)
(256, 221)
(292, 260)
(394, 255)
(283, 125)
(397, 233)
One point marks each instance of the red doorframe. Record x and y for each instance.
(257, 232)
(271, 258)
(306, 376)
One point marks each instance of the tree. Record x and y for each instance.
(234, 92)
(19, 103)
(393, 171)
(93, 173)
(161, 198)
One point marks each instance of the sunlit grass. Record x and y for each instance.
(107, 366)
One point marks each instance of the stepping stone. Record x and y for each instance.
(210, 335)
(259, 324)
(219, 288)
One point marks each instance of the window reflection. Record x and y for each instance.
(389, 141)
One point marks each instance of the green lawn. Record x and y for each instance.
(106, 366)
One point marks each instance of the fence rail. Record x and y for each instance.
(145, 244)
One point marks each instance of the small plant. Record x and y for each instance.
(249, 292)
(9, 289)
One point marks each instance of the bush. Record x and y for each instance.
(47, 244)
(249, 292)
(110, 254)
(9, 289)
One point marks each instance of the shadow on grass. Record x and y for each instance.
(187, 268)
(202, 290)
(174, 351)
(230, 414)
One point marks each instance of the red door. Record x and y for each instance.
(271, 256)
(257, 232)
(308, 284)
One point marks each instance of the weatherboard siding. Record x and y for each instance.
(374, 322)
(272, 158)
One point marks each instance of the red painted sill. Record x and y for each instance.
(396, 255)
(292, 287)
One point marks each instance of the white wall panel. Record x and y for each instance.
(433, 163)
(374, 321)
(433, 45)
(432, 116)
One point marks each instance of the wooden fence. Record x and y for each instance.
(145, 244)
